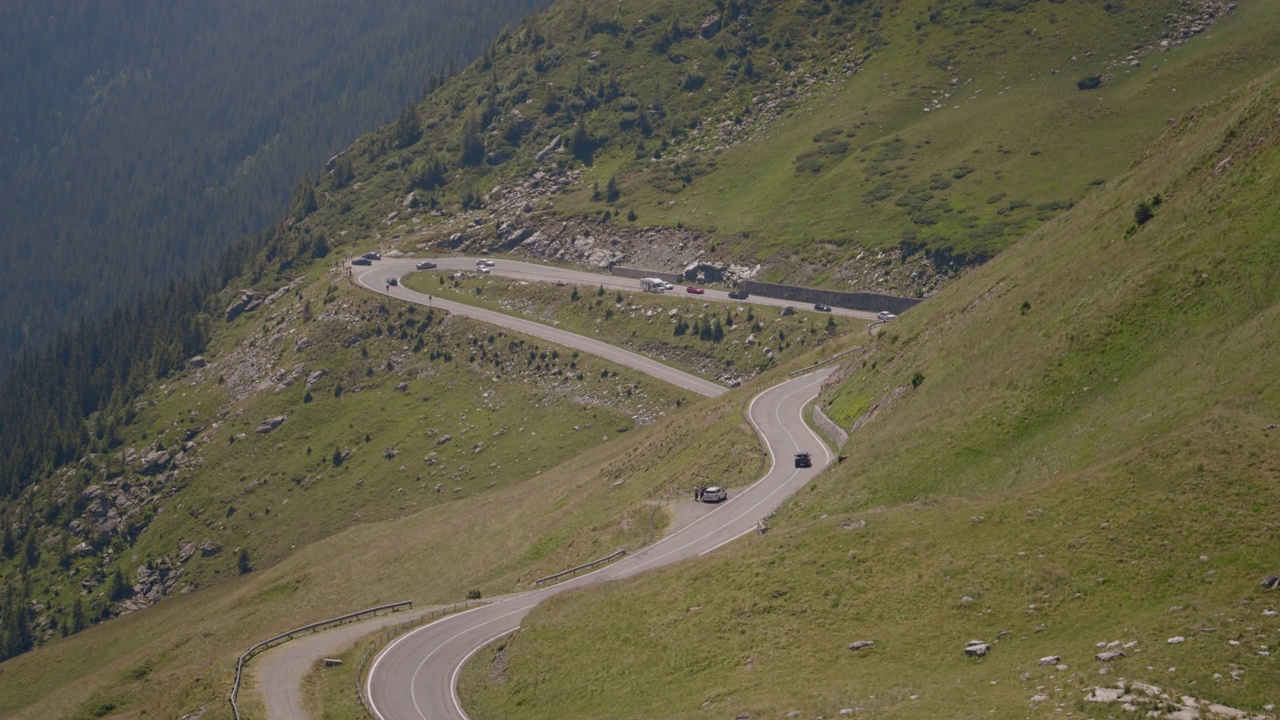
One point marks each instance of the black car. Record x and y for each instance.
(803, 460)
(362, 261)
(372, 256)
(426, 265)
(738, 295)
(822, 308)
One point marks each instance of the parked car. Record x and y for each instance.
(714, 494)
(486, 263)
(822, 308)
(668, 286)
(885, 316)
(371, 256)
(803, 460)
(483, 268)
(362, 261)
(694, 290)
(393, 281)
(426, 265)
(737, 294)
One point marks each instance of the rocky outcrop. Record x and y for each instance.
(269, 424)
(156, 579)
(247, 302)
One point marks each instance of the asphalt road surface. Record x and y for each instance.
(375, 278)
(415, 677)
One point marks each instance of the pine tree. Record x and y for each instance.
(8, 546)
(77, 616)
(470, 144)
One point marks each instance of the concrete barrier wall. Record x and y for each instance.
(870, 302)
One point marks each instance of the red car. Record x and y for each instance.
(694, 290)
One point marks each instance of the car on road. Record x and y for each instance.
(426, 265)
(885, 316)
(714, 494)
(483, 268)
(821, 308)
(694, 290)
(362, 261)
(803, 460)
(738, 295)
(393, 281)
(371, 256)
(485, 263)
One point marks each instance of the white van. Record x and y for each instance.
(653, 285)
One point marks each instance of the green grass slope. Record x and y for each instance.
(1072, 445)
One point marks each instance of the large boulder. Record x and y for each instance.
(270, 424)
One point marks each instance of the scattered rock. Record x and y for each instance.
(1051, 660)
(861, 645)
(1271, 582)
(977, 648)
(1109, 655)
(1176, 640)
(197, 361)
(315, 376)
(270, 424)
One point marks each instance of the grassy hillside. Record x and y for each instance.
(852, 146)
(1097, 393)
(1074, 445)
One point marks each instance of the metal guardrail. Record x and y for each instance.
(584, 566)
(286, 636)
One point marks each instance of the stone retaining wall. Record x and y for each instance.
(828, 426)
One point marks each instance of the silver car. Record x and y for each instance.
(714, 494)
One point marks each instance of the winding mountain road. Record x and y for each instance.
(414, 678)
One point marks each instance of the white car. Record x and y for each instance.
(483, 268)
(714, 494)
(668, 286)
(485, 263)
(885, 316)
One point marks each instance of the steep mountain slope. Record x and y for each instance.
(1070, 446)
(138, 140)
(478, 166)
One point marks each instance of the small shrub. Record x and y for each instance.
(916, 380)
(1143, 213)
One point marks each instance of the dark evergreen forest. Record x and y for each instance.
(139, 139)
